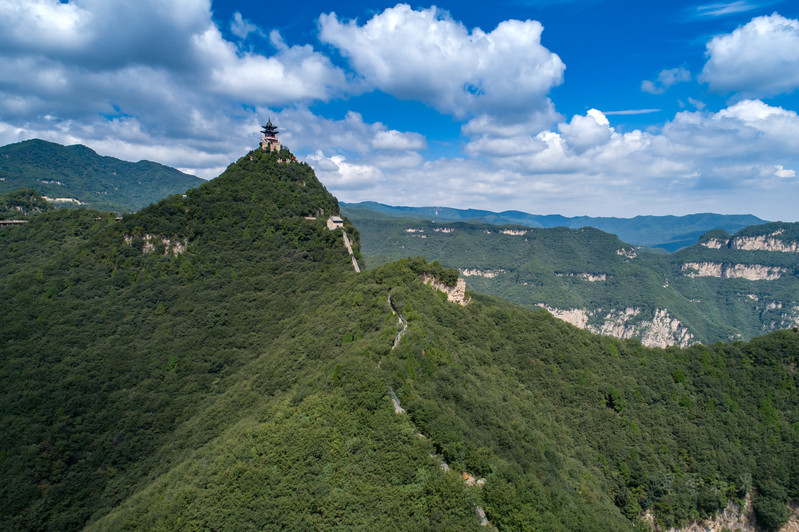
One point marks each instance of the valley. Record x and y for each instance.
(662, 233)
(724, 287)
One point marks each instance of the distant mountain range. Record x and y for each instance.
(77, 176)
(666, 232)
(726, 287)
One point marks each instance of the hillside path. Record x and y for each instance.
(352, 255)
(470, 480)
(402, 322)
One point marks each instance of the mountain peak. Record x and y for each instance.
(77, 175)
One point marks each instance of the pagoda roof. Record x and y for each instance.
(269, 130)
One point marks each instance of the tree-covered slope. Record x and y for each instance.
(214, 362)
(22, 203)
(665, 232)
(76, 175)
(594, 280)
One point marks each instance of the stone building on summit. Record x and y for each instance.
(269, 140)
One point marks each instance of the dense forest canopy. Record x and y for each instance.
(214, 362)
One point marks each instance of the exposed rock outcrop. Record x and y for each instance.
(751, 272)
(63, 200)
(715, 243)
(175, 247)
(490, 274)
(778, 315)
(768, 242)
(576, 316)
(590, 277)
(402, 323)
(733, 517)
(456, 294)
(395, 401)
(660, 330)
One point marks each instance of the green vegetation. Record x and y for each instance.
(78, 173)
(589, 269)
(20, 204)
(213, 362)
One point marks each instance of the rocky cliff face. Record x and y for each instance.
(659, 329)
(489, 274)
(769, 242)
(773, 241)
(456, 294)
(751, 272)
(576, 316)
(715, 243)
(589, 277)
(733, 517)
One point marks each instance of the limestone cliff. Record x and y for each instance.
(456, 294)
(751, 272)
(773, 241)
(733, 517)
(489, 274)
(768, 242)
(589, 277)
(659, 329)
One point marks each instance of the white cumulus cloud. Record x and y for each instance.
(584, 132)
(781, 171)
(425, 55)
(336, 172)
(758, 59)
(146, 78)
(728, 161)
(307, 131)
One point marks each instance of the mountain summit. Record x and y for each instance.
(213, 361)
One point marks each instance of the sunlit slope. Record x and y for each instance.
(569, 430)
(214, 362)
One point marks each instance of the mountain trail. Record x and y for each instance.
(394, 399)
(470, 480)
(402, 322)
(352, 255)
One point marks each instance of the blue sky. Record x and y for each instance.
(604, 108)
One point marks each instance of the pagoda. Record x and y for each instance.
(269, 140)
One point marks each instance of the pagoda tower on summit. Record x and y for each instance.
(269, 140)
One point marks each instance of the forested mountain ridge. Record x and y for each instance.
(76, 176)
(666, 232)
(726, 287)
(214, 362)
